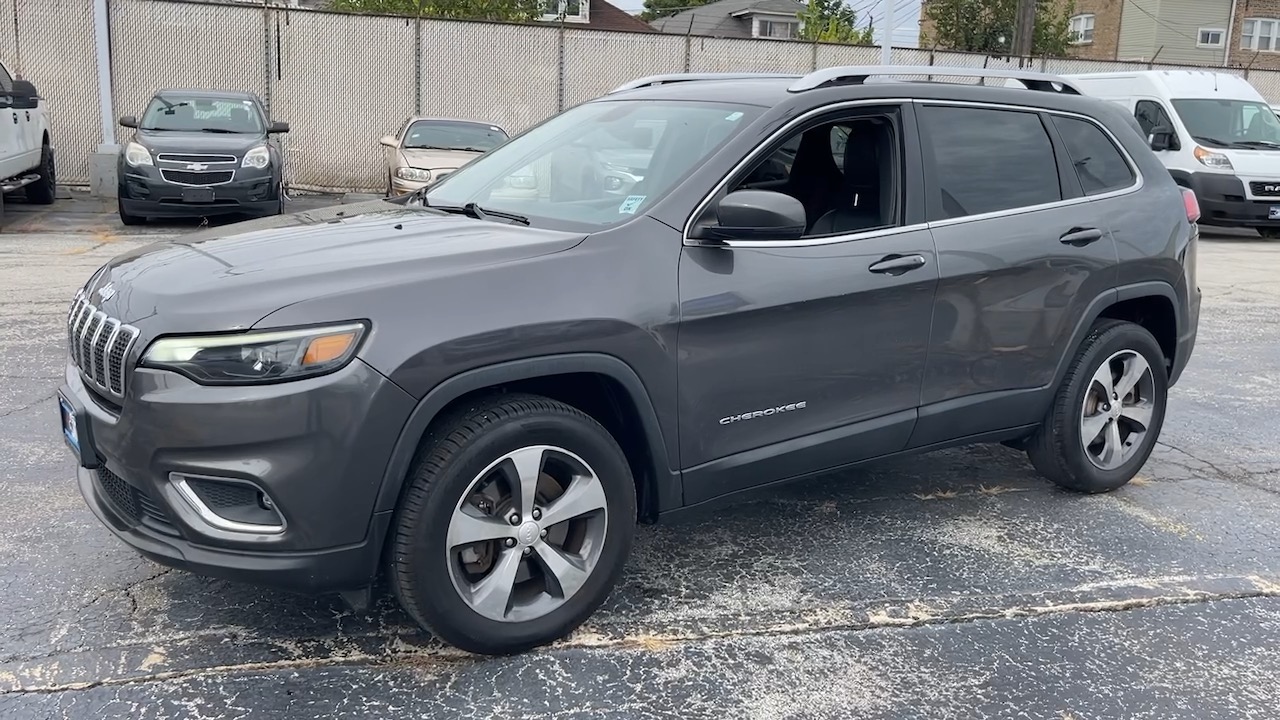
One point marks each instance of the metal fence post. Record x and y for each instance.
(102, 164)
(417, 65)
(560, 67)
(266, 55)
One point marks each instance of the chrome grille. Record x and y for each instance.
(193, 158)
(99, 346)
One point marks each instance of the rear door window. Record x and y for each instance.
(1099, 164)
(988, 160)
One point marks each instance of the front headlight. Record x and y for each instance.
(1212, 159)
(255, 357)
(136, 155)
(258, 157)
(413, 174)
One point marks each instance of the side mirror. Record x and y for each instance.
(389, 141)
(25, 95)
(756, 215)
(278, 127)
(129, 121)
(1162, 137)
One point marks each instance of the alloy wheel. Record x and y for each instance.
(1117, 409)
(527, 534)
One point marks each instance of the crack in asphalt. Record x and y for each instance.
(406, 654)
(1240, 476)
(30, 405)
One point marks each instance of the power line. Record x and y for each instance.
(1165, 25)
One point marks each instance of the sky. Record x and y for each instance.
(906, 17)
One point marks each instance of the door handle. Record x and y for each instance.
(1079, 237)
(897, 264)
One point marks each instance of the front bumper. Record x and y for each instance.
(1225, 202)
(144, 192)
(317, 448)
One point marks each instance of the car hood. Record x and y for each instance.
(437, 159)
(197, 142)
(231, 277)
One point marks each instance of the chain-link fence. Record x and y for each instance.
(344, 81)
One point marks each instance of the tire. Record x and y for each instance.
(1057, 449)
(1269, 233)
(125, 217)
(44, 190)
(438, 580)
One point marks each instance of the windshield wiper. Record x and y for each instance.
(223, 131)
(1258, 143)
(1214, 141)
(471, 209)
(427, 147)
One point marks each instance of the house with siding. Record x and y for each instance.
(1213, 33)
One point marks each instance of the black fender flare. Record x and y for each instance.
(1181, 177)
(1152, 288)
(666, 482)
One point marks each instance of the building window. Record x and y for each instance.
(781, 29)
(572, 10)
(1211, 38)
(1260, 34)
(1082, 29)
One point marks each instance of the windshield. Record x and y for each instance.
(1230, 123)
(453, 135)
(597, 164)
(202, 114)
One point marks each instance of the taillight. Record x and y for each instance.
(1191, 204)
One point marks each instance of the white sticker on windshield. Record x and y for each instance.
(631, 204)
(733, 116)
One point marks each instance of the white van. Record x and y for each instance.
(1215, 133)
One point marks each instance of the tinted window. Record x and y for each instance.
(1151, 115)
(989, 160)
(1098, 163)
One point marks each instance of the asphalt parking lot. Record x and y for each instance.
(956, 584)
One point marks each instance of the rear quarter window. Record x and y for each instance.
(987, 160)
(1100, 166)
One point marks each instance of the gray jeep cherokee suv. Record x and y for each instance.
(477, 390)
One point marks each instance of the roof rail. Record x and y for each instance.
(858, 74)
(652, 80)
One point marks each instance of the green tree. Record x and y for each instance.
(496, 10)
(987, 25)
(832, 21)
(654, 9)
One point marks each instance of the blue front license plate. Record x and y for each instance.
(69, 430)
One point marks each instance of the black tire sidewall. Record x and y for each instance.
(438, 602)
(1122, 337)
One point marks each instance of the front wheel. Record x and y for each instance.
(517, 522)
(127, 218)
(44, 190)
(1107, 414)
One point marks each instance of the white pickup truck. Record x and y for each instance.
(26, 151)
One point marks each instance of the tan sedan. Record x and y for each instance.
(427, 149)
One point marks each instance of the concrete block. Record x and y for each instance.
(102, 172)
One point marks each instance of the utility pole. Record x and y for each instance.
(1024, 29)
(886, 35)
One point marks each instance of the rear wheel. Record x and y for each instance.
(44, 190)
(125, 217)
(1107, 414)
(515, 527)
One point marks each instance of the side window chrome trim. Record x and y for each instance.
(1137, 185)
(815, 241)
(755, 155)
